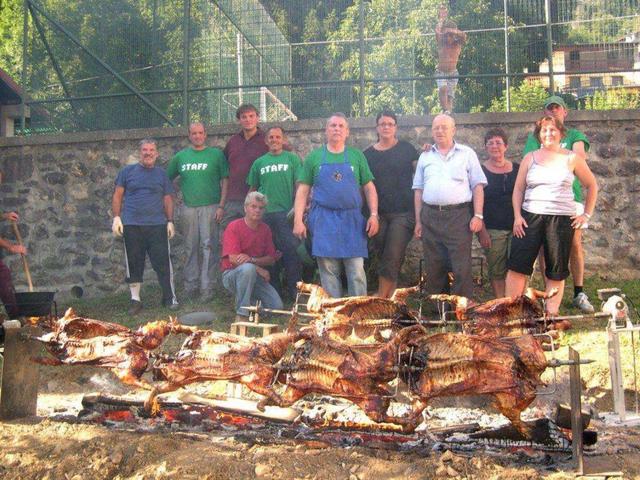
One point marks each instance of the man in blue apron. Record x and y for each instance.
(339, 231)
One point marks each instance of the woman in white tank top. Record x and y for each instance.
(543, 197)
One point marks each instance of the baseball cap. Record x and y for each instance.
(554, 99)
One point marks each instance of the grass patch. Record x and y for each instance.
(114, 307)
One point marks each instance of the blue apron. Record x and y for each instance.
(335, 219)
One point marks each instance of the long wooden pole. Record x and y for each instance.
(25, 264)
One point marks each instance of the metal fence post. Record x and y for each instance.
(506, 57)
(23, 80)
(361, 59)
(186, 48)
(547, 13)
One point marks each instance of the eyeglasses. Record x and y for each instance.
(386, 124)
(497, 143)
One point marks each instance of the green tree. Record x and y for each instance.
(526, 97)
(11, 37)
(603, 21)
(613, 99)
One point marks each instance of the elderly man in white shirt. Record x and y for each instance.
(448, 195)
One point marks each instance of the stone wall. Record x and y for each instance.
(61, 185)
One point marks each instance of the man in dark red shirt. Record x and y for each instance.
(247, 248)
(241, 151)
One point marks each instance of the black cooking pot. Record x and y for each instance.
(34, 304)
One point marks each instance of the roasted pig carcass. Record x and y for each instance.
(364, 320)
(319, 300)
(320, 365)
(79, 341)
(209, 356)
(503, 317)
(360, 319)
(454, 364)
(73, 325)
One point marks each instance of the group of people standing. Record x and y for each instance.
(344, 202)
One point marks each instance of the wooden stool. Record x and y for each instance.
(241, 328)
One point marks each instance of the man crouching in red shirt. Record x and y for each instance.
(247, 247)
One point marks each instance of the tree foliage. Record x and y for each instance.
(11, 37)
(603, 21)
(526, 97)
(613, 99)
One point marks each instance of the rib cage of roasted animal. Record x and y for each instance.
(320, 365)
(507, 316)
(80, 341)
(207, 356)
(361, 319)
(454, 364)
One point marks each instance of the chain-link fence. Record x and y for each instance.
(118, 64)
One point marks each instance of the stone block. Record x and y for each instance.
(56, 178)
(607, 151)
(628, 168)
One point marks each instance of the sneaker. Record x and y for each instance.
(172, 305)
(135, 308)
(581, 301)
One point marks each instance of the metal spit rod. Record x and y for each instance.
(635, 376)
(259, 309)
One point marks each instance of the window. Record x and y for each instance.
(574, 82)
(612, 54)
(595, 81)
(616, 80)
(574, 55)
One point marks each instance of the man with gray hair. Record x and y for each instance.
(142, 207)
(448, 196)
(339, 175)
(247, 248)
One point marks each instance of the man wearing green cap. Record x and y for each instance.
(577, 141)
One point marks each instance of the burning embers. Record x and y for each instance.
(355, 349)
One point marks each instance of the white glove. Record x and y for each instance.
(117, 227)
(171, 230)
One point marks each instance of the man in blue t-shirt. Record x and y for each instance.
(142, 209)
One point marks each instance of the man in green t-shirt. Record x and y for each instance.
(274, 175)
(577, 141)
(339, 175)
(203, 173)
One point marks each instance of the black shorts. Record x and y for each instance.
(555, 234)
(390, 243)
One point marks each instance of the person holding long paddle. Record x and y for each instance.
(7, 292)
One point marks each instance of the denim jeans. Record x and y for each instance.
(249, 287)
(287, 243)
(330, 275)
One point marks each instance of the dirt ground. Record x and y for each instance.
(44, 447)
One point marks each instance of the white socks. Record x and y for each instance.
(135, 291)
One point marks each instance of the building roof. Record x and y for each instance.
(10, 91)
